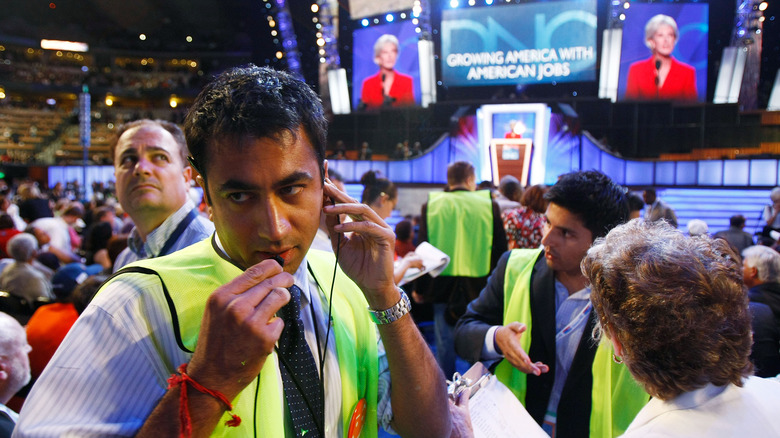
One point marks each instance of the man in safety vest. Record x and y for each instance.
(535, 314)
(465, 224)
(248, 333)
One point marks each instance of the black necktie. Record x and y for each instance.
(302, 388)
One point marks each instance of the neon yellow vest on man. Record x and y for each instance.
(190, 275)
(615, 395)
(460, 223)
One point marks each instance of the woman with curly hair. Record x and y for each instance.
(676, 312)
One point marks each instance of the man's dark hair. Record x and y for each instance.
(635, 202)
(459, 172)
(593, 197)
(255, 102)
(737, 220)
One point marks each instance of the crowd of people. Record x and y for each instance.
(268, 302)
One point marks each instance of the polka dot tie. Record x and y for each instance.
(301, 382)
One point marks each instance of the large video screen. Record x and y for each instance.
(668, 65)
(530, 43)
(389, 80)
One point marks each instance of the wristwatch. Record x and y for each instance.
(401, 308)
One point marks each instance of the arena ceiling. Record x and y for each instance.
(230, 25)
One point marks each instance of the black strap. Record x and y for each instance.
(178, 232)
(168, 299)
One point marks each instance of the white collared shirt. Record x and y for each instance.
(713, 412)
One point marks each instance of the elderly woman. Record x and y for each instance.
(388, 87)
(676, 312)
(661, 76)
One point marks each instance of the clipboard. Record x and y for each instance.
(494, 409)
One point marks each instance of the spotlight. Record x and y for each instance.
(364, 22)
(453, 4)
(389, 18)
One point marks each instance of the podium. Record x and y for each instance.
(511, 156)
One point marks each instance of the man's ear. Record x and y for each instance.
(202, 183)
(325, 168)
(187, 172)
(325, 198)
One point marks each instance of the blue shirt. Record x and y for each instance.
(571, 317)
(138, 249)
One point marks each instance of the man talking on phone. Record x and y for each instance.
(248, 333)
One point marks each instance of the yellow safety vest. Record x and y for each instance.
(189, 276)
(460, 224)
(616, 397)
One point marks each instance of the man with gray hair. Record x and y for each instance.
(761, 274)
(152, 180)
(20, 278)
(14, 368)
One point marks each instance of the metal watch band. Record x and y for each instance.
(401, 308)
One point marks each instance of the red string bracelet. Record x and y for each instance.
(185, 421)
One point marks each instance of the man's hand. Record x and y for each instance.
(239, 329)
(461, 418)
(508, 342)
(366, 254)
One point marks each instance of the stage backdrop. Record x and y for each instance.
(363, 61)
(691, 48)
(366, 8)
(529, 43)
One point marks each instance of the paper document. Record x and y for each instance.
(434, 262)
(494, 409)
